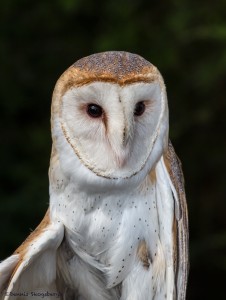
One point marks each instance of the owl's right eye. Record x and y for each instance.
(94, 110)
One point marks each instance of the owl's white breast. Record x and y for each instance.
(109, 227)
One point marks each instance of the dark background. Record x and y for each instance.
(185, 39)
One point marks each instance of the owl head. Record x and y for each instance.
(109, 119)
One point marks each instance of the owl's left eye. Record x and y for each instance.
(139, 108)
(94, 110)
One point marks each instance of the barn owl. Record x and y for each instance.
(116, 227)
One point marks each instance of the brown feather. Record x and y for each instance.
(174, 169)
(143, 254)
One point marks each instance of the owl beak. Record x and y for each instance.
(122, 158)
(123, 151)
(120, 150)
(125, 138)
(119, 139)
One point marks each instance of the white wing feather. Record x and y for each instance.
(31, 272)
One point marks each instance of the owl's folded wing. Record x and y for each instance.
(31, 270)
(174, 170)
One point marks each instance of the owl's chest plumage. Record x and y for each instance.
(106, 231)
(97, 222)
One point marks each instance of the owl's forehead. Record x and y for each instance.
(117, 67)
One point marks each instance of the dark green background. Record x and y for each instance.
(185, 39)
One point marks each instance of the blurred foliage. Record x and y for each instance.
(186, 39)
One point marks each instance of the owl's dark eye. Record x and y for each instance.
(94, 110)
(139, 109)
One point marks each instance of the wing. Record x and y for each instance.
(31, 270)
(174, 171)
